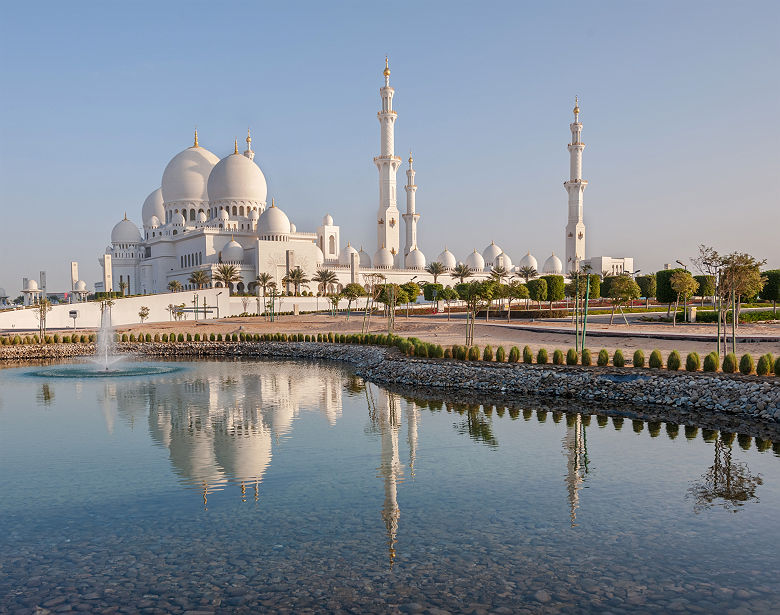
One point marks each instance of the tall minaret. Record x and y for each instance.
(388, 220)
(410, 217)
(575, 229)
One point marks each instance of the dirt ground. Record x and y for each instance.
(437, 329)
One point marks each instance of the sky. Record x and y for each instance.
(678, 103)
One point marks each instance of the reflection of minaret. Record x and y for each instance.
(411, 438)
(391, 470)
(575, 449)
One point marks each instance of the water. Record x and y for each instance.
(290, 487)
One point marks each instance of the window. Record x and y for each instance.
(234, 210)
(241, 210)
(192, 215)
(332, 245)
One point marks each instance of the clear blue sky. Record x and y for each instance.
(679, 104)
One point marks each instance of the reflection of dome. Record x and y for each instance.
(178, 220)
(153, 206)
(81, 285)
(232, 252)
(125, 232)
(365, 259)
(415, 260)
(475, 262)
(490, 253)
(345, 258)
(528, 261)
(447, 259)
(31, 285)
(383, 258)
(553, 265)
(236, 177)
(273, 221)
(327, 220)
(244, 454)
(186, 176)
(503, 260)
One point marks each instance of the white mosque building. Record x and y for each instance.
(208, 212)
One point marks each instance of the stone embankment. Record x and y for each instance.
(746, 396)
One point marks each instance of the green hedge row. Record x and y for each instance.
(20, 340)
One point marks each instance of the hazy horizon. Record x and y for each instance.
(674, 100)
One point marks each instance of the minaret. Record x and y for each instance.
(248, 152)
(575, 229)
(387, 163)
(410, 217)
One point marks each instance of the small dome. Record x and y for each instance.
(415, 260)
(503, 260)
(293, 228)
(186, 176)
(201, 216)
(125, 232)
(318, 255)
(553, 265)
(153, 206)
(31, 285)
(327, 220)
(253, 215)
(81, 285)
(223, 215)
(447, 259)
(178, 220)
(273, 221)
(528, 261)
(345, 258)
(490, 253)
(365, 259)
(236, 177)
(232, 252)
(383, 258)
(475, 262)
(153, 222)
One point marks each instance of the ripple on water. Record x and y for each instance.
(93, 370)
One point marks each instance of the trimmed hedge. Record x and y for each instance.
(656, 360)
(528, 356)
(639, 358)
(746, 365)
(587, 358)
(764, 365)
(541, 356)
(558, 357)
(603, 358)
(692, 362)
(729, 363)
(571, 357)
(487, 354)
(673, 362)
(711, 362)
(514, 354)
(618, 360)
(500, 354)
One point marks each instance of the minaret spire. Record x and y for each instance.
(387, 164)
(411, 216)
(196, 138)
(248, 151)
(575, 186)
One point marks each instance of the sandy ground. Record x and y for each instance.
(437, 329)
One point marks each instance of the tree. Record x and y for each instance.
(373, 283)
(432, 292)
(123, 287)
(227, 275)
(461, 271)
(705, 286)
(514, 290)
(526, 272)
(555, 288)
(174, 286)
(771, 290)
(499, 274)
(685, 286)
(647, 286)
(622, 290)
(435, 269)
(664, 291)
(476, 295)
(742, 277)
(448, 295)
(351, 292)
(296, 277)
(42, 309)
(537, 290)
(143, 313)
(324, 278)
(199, 278)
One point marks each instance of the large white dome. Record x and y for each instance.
(447, 259)
(475, 262)
(503, 260)
(345, 258)
(232, 252)
(153, 206)
(553, 265)
(186, 176)
(236, 177)
(273, 221)
(528, 261)
(383, 258)
(415, 260)
(490, 253)
(125, 232)
(365, 259)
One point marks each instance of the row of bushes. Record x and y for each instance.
(708, 316)
(19, 340)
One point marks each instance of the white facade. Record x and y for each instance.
(612, 266)
(575, 228)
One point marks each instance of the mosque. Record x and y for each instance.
(208, 212)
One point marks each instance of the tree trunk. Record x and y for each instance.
(612, 317)
(676, 305)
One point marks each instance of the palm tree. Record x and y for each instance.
(498, 273)
(122, 288)
(228, 275)
(526, 272)
(199, 278)
(461, 271)
(296, 277)
(263, 280)
(324, 278)
(435, 269)
(174, 286)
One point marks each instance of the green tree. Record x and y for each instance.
(515, 290)
(647, 287)
(555, 288)
(705, 286)
(771, 290)
(742, 277)
(685, 286)
(537, 290)
(297, 278)
(461, 271)
(412, 291)
(476, 295)
(123, 287)
(433, 292)
(351, 293)
(499, 274)
(174, 286)
(42, 309)
(622, 290)
(199, 278)
(448, 295)
(324, 278)
(435, 269)
(526, 272)
(143, 313)
(664, 291)
(227, 275)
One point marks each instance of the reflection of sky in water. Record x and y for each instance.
(316, 470)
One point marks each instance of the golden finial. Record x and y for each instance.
(410, 157)
(273, 202)
(387, 67)
(576, 104)
(235, 146)
(125, 215)
(196, 138)
(248, 136)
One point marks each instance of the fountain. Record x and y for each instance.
(105, 354)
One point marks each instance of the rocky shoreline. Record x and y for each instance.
(715, 399)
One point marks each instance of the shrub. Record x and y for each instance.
(692, 362)
(49, 339)
(473, 353)
(56, 338)
(541, 356)
(92, 337)
(448, 353)
(764, 365)
(164, 337)
(189, 337)
(421, 350)
(514, 354)
(84, 338)
(711, 362)
(777, 367)
(197, 337)
(180, 337)
(618, 360)
(557, 357)
(587, 358)
(65, 339)
(656, 360)
(500, 354)
(124, 337)
(528, 356)
(639, 358)
(746, 365)
(487, 354)
(438, 352)
(603, 358)
(673, 362)
(571, 357)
